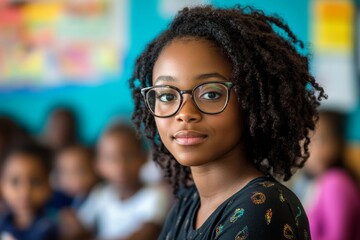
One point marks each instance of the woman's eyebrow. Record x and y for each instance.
(210, 75)
(199, 77)
(165, 78)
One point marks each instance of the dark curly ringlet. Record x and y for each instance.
(278, 95)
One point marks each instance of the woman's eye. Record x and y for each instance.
(211, 95)
(166, 97)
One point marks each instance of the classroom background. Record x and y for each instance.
(64, 71)
(81, 54)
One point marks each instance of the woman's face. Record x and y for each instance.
(192, 137)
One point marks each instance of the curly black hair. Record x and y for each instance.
(278, 95)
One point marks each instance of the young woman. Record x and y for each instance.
(227, 103)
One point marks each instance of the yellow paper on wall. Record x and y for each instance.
(107, 58)
(42, 11)
(34, 63)
(333, 27)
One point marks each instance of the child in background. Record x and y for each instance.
(75, 173)
(61, 131)
(11, 134)
(61, 128)
(334, 208)
(123, 208)
(25, 189)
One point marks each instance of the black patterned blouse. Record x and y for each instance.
(263, 209)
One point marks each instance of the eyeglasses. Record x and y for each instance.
(165, 101)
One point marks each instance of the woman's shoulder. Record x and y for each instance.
(260, 193)
(262, 208)
(266, 189)
(266, 192)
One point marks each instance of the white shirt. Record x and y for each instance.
(116, 218)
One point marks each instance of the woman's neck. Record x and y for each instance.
(220, 179)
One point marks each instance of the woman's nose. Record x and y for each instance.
(188, 112)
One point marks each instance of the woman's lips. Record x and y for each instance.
(189, 138)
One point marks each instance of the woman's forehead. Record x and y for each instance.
(184, 58)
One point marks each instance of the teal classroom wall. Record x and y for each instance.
(96, 105)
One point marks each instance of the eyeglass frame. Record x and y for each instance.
(144, 91)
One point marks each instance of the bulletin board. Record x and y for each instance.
(59, 42)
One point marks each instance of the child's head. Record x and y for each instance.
(273, 97)
(120, 156)
(327, 143)
(25, 178)
(75, 170)
(61, 128)
(11, 134)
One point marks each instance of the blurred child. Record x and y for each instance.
(61, 131)
(25, 189)
(334, 209)
(75, 173)
(61, 128)
(124, 207)
(11, 135)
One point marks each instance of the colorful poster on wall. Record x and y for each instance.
(11, 22)
(39, 21)
(57, 42)
(333, 34)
